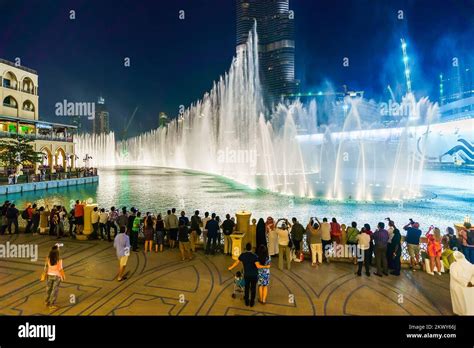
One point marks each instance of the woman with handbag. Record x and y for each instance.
(53, 273)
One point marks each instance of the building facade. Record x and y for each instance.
(275, 29)
(19, 115)
(100, 124)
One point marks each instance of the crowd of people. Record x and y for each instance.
(380, 248)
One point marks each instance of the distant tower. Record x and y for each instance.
(100, 123)
(276, 43)
(162, 120)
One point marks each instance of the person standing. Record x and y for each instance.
(272, 236)
(368, 230)
(79, 217)
(103, 219)
(284, 249)
(315, 242)
(228, 227)
(112, 223)
(381, 239)
(390, 230)
(250, 262)
(183, 239)
(123, 219)
(412, 239)
(204, 229)
(212, 228)
(396, 249)
(434, 249)
(122, 247)
(336, 232)
(4, 210)
(261, 234)
(12, 218)
(159, 233)
(173, 228)
(467, 241)
(352, 234)
(135, 231)
(54, 276)
(326, 238)
(195, 230)
(35, 220)
(27, 214)
(363, 243)
(148, 231)
(297, 233)
(95, 222)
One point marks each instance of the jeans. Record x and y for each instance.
(28, 226)
(13, 221)
(103, 230)
(111, 225)
(284, 251)
(134, 240)
(325, 248)
(95, 230)
(381, 259)
(366, 262)
(52, 288)
(211, 239)
(250, 285)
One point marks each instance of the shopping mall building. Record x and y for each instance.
(19, 114)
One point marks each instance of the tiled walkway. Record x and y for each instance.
(160, 284)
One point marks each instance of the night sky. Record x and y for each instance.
(175, 61)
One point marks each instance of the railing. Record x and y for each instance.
(29, 178)
(68, 139)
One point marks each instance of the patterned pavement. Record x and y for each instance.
(161, 284)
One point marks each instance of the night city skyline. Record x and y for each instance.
(174, 61)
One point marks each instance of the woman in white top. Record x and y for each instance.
(272, 236)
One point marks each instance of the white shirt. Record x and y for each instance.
(103, 217)
(204, 222)
(283, 238)
(325, 231)
(390, 234)
(363, 241)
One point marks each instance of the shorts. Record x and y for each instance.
(184, 246)
(158, 237)
(173, 234)
(413, 250)
(79, 220)
(123, 261)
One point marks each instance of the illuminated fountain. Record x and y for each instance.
(226, 133)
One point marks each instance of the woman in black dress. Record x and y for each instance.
(261, 234)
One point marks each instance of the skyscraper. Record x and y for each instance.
(100, 123)
(275, 29)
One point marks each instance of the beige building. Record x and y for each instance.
(19, 114)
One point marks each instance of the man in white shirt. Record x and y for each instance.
(363, 243)
(326, 237)
(204, 220)
(103, 218)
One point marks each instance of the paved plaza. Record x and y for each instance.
(161, 284)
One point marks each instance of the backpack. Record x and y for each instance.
(24, 214)
(470, 237)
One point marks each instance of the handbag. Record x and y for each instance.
(290, 242)
(43, 274)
